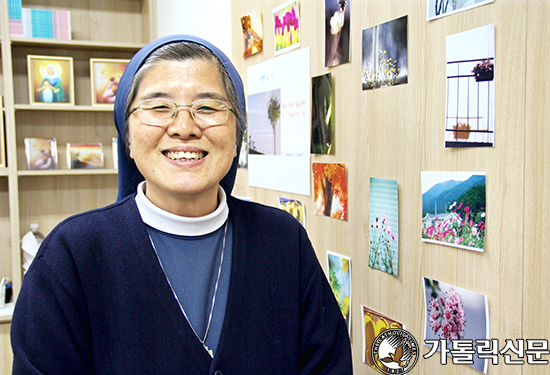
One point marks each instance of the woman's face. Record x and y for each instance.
(182, 163)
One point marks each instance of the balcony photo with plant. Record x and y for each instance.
(470, 88)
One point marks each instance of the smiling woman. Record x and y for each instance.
(178, 276)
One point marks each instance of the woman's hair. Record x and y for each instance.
(182, 51)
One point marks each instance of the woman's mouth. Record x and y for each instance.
(184, 155)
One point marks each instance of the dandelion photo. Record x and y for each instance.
(454, 313)
(384, 225)
(385, 54)
(453, 209)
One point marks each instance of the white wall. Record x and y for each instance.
(207, 19)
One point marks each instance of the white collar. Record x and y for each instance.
(180, 225)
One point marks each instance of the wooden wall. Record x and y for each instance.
(397, 132)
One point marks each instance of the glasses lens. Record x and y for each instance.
(210, 112)
(157, 112)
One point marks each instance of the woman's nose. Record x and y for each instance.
(184, 125)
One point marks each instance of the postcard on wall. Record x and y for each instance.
(453, 209)
(41, 153)
(279, 116)
(105, 76)
(470, 106)
(294, 207)
(441, 8)
(252, 32)
(51, 80)
(375, 323)
(384, 226)
(322, 115)
(286, 27)
(337, 32)
(84, 155)
(339, 276)
(330, 190)
(454, 313)
(385, 54)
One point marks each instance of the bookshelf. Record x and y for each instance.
(99, 29)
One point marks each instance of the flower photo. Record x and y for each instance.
(286, 26)
(385, 54)
(384, 225)
(453, 209)
(454, 313)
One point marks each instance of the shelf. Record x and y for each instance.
(63, 107)
(75, 44)
(69, 172)
(3, 171)
(7, 312)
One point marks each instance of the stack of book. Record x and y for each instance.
(38, 23)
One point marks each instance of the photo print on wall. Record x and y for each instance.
(453, 209)
(337, 32)
(374, 324)
(330, 190)
(385, 54)
(470, 106)
(294, 207)
(339, 276)
(252, 32)
(454, 313)
(384, 226)
(441, 8)
(322, 115)
(286, 26)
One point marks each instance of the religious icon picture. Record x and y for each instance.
(41, 153)
(105, 76)
(84, 155)
(51, 80)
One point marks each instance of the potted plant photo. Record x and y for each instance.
(484, 71)
(463, 131)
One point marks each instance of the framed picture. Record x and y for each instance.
(41, 153)
(51, 80)
(105, 76)
(84, 155)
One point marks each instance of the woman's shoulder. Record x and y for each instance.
(98, 221)
(259, 214)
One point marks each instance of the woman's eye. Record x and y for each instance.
(160, 108)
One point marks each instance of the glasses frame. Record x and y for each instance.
(189, 106)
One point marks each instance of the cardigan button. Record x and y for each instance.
(218, 372)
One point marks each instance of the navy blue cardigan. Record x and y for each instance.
(95, 301)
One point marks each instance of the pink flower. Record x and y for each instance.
(466, 208)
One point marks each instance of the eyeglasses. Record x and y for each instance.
(162, 112)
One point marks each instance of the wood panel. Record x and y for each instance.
(397, 132)
(6, 357)
(536, 258)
